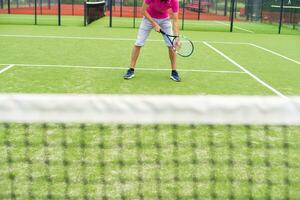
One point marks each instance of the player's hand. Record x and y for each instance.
(156, 27)
(177, 43)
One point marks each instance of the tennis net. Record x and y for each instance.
(93, 11)
(149, 147)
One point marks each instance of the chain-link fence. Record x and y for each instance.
(266, 16)
(248, 16)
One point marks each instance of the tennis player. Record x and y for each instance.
(156, 16)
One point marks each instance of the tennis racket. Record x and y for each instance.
(184, 46)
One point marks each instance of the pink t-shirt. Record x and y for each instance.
(159, 10)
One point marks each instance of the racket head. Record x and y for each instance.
(185, 47)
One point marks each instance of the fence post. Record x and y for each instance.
(84, 13)
(59, 12)
(8, 6)
(121, 8)
(35, 12)
(73, 7)
(134, 11)
(183, 12)
(261, 10)
(280, 18)
(199, 9)
(232, 4)
(110, 13)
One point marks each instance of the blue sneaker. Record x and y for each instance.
(175, 76)
(129, 74)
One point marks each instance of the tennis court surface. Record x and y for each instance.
(73, 59)
(72, 128)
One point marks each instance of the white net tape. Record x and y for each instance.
(149, 109)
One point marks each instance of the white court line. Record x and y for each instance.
(236, 27)
(246, 71)
(151, 40)
(102, 38)
(257, 46)
(275, 53)
(124, 68)
(6, 68)
(70, 37)
(233, 43)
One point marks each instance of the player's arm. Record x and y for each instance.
(175, 26)
(175, 21)
(147, 15)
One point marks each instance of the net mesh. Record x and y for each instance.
(130, 160)
(291, 12)
(94, 11)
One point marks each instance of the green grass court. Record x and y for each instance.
(74, 59)
(55, 162)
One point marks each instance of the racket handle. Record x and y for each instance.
(161, 31)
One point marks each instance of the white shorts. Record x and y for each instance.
(146, 27)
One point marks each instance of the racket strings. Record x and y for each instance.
(185, 47)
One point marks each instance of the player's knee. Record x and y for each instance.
(137, 47)
(139, 44)
(141, 39)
